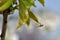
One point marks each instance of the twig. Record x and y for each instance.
(4, 26)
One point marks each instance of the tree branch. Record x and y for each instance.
(4, 26)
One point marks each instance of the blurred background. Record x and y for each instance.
(49, 16)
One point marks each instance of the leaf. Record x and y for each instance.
(2, 2)
(28, 3)
(6, 5)
(23, 17)
(24, 13)
(42, 2)
(20, 23)
(28, 22)
(31, 15)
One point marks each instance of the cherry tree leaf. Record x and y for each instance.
(20, 23)
(28, 3)
(6, 5)
(2, 2)
(28, 22)
(31, 15)
(24, 13)
(24, 5)
(42, 2)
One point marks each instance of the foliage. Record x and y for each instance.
(5, 5)
(24, 13)
(24, 10)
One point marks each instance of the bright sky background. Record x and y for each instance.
(51, 4)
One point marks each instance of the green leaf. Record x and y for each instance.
(20, 23)
(2, 2)
(28, 22)
(6, 5)
(28, 3)
(31, 15)
(42, 2)
(24, 13)
(24, 17)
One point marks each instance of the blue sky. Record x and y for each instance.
(51, 4)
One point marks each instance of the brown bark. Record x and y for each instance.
(4, 26)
